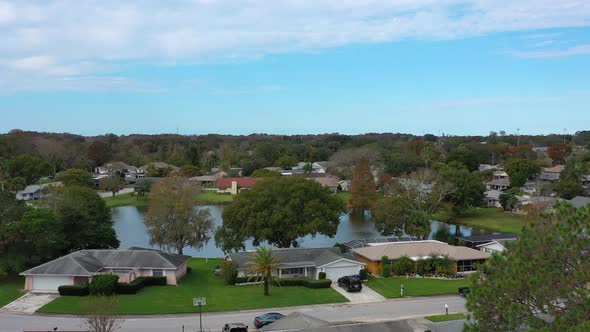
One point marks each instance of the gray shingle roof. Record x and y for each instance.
(88, 262)
(299, 257)
(580, 201)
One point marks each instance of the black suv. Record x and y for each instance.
(351, 283)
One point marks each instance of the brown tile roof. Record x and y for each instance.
(225, 183)
(554, 169)
(418, 249)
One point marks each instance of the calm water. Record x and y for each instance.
(132, 231)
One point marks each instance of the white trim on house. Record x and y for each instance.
(339, 260)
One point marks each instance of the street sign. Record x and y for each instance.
(199, 301)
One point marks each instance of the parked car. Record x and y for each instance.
(235, 327)
(464, 291)
(266, 319)
(351, 283)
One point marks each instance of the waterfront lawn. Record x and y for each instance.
(129, 199)
(213, 198)
(390, 287)
(11, 289)
(197, 283)
(492, 219)
(446, 318)
(343, 195)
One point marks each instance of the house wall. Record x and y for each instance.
(373, 267)
(181, 271)
(28, 283)
(170, 277)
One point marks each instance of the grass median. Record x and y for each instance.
(201, 282)
(446, 318)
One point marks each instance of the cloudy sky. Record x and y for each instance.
(348, 66)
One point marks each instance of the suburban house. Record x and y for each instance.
(494, 246)
(500, 184)
(235, 185)
(140, 182)
(209, 179)
(345, 185)
(551, 174)
(35, 191)
(475, 240)
(327, 181)
(158, 164)
(466, 259)
(579, 201)
(304, 262)
(492, 198)
(79, 267)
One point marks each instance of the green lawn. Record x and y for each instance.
(201, 282)
(493, 219)
(343, 195)
(213, 198)
(446, 318)
(10, 289)
(126, 200)
(390, 287)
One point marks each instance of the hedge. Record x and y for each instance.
(77, 290)
(323, 283)
(305, 282)
(103, 284)
(138, 284)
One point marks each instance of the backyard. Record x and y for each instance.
(203, 198)
(390, 287)
(493, 219)
(198, 283)
(10, 289)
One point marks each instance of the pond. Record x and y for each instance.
(131, 231)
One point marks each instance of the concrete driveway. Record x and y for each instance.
(29, 303)
(366, 295)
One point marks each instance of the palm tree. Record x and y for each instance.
(433, 259)
(445, 265)
(262, 264)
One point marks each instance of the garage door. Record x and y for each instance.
(333, 273)
(49, 283)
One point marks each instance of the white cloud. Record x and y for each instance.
(554, 53)
(71, 37)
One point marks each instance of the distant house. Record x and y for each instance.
(466, 259)
(330, 182)
(345, 185)
(304, 262)
(139, 183)
(579, 201)
(551, 174)
(494, 246)
(157, 164)
(81, 266)
(492, 198)
(475, 240)
(316, 167)
(498, 184)
(209, 179)
(235, 185)
(35, 191)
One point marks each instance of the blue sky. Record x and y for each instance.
(453, 67)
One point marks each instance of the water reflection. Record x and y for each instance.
(132, 231)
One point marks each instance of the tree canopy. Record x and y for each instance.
(172, 219)
(364, 191)
(520, 170)
(279, 211)
(541, 282)
(75, 177)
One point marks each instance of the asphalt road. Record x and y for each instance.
(379, 311)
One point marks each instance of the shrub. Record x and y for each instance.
(322, 275)
(364, 274)
(103, 284)
(243, 280)
(154, 281)
(323, 283)
(77, 290)
(386, 271)
(229, 272)
(132, 287)
(384, 260)
(403, 265)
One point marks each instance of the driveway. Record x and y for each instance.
(366, 295)
(29, 303)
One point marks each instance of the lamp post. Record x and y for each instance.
(401, 290)
(446, 309)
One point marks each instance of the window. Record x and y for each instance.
(158, 273)
(293, 271)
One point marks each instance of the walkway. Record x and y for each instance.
(28, 303)
(366, 295)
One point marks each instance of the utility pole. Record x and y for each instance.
(517, 137)
(564, 135)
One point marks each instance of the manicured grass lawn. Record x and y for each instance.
(493, 219)
(126, 200)
(390, 287)
(10, 289)
(201, 282)
(446, 318)
(212, 198)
